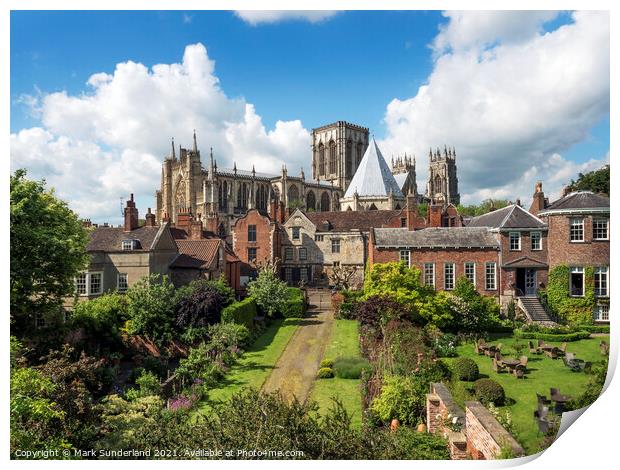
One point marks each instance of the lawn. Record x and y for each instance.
(344, 341)
(543, 373)
(256, 363)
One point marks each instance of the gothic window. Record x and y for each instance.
(242, 196)
(223, 196)
(310, 201)
(438, 188)
(321, 159)
(349, 159)
(261, 198)
(359, 154)
(293, 195)
(332, 157)
(325, 202)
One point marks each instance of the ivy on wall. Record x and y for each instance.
(571, 310)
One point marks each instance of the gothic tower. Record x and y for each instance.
(443, 184)
(337, 150)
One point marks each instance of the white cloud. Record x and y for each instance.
(510, 107)
(256, 17)
(108, 142)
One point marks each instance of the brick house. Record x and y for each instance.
(313, 243)
(119, 256)
(579, 238)
(442, 254)
(255, 240)
(523, 249)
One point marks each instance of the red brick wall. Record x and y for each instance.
(509, 275)
(485, 436)
(562, 251)
(264, 234)
(439, 257)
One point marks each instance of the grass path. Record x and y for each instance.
(256, 363)
(295, 371)
(543, 373)
(344, 341)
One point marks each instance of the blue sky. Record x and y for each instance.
(500, 86)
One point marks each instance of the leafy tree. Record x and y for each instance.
(402, 398)
(270, 293)
(396, 281)
(596, 181)
(102, 317)
(48, 249)
(484, 207)
(472, 311)
(151, 308)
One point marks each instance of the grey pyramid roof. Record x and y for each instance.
(513, 216)
(373, 176)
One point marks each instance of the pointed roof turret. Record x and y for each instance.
(173, 155)
(195, 144)
(373, 176)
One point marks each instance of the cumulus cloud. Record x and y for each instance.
(256, 17)
(511, 100)
(109, 141)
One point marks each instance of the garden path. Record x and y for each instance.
(295, 371)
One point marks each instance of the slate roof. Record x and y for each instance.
(373, 176)
(351, 220)
(436, 237)
(513, 216)
(110, 238)
(579, 200)
(196, 254)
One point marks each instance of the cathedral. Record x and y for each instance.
(348, 173)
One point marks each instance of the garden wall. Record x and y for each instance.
(473, 432)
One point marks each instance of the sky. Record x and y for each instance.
(96, 97)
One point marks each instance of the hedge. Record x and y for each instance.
(594, 328)
(551, 337)
(242, 312)
(295, 306)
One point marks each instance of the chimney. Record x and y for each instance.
(131, 215)
(184, 218)
(212, 223)
(150, 219)
(195, 229)
(565, 191)
(414, 220)
(165, 219)
(538, 200)
(278, 213)
(434, 215)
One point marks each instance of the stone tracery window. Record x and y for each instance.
(310, 201)
(321, 159)
(223, 196)
(349, 159)
(332, 157)
(325, 202)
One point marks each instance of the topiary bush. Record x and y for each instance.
(489, 391)
(327, 363)
(350, 367)
(465, 369)
(325, 373)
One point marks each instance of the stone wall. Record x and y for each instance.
(445, 417)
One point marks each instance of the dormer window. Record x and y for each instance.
(296, 233)
(128, 245)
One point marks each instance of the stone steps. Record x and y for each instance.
(534, 309)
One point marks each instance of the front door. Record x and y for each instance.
(530, 281)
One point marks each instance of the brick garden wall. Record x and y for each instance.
(485, 436)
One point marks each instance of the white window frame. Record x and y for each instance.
(576, 270)
(84, 284)
(430, 273)
(511, 239)
(87, 278)
(336, 243)
(120, 276)
(452, 275)
(576, 224)
(602, 273)
(490, 277)
(600, 311)
(538, 237)
(473, 266)
(595, 222)
(127, 245)
(405, 256)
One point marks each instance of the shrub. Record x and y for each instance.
(552, 337)
(242, 312)
(396, 281)
(270, 293)
(489, 391)
(444, 344)
(327, 363)
(295, 305)
(103, 316)
(350, 367)
(572, 310)
(400, 399)
(465, 369)
(202, 305)
(472, 312)
(148, 384)
(594, 328)
(325, 373)
(346, 308)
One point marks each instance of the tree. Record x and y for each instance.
(203, 305)
(270, 293)
(48, 249)
(472, 312)
(484, 207)
(341, 276)
(151, 308)
(596, 181)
